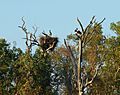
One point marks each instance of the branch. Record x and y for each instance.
(30, 37)
(90, 24)
(101, 21)
(45, 34)
(51, 46)
(23, 27)
(117, 72)
(97, 69)
(72, 58)
(85, 34)
(86, 40)
(93, 78)
(2, 55)
(35, 29)
(80, 25)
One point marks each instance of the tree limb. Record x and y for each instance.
(72, 58)
(117, 72)
(86, 40)
(30, 37)
(81, 26)
(95, 75)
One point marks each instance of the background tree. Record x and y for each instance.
(7, 59)
(108, 81)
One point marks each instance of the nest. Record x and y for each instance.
(48, 43)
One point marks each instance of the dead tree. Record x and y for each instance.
(84, 37)
(46, 42)
(30, 38)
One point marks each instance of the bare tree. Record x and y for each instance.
(84, 36)
(30, 38)
(46, 42)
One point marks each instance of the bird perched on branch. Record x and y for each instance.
(78, 32)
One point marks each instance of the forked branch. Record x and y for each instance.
(30, 37)
(95, 75)
(90, 30)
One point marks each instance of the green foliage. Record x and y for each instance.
(109, 79)
(22, 73)
(115, 27)
(7, 59)
(42, 72)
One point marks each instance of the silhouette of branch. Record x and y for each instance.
(30, 37)
(81, 26)
(86, 37)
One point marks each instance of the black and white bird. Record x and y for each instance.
(78, 32)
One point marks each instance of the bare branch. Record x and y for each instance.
(23, 22)
(51, 46)
(45, 34)
(97, 69)
(74, 63)
(101, 21)
(90, 24)
(90, 38)
(86, 32)
(23, 27)
(86, 40)
(30, 37)
(80, 25)
(95, 75)
(92, 19)
(35, 29)
(117, 72)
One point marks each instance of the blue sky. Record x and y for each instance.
(56, 15)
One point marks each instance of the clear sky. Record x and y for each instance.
(56, 15)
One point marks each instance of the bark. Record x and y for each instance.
(79, 68)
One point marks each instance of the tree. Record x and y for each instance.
(84, 38)
(7, 58)
(39, 68)
(108, 81)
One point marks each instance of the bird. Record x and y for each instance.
(78, 33)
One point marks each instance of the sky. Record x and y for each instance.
(59, 16)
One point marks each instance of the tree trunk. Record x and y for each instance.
(79, 69)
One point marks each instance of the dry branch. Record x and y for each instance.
(95, 75)
(74, 63)
(31, 39)
(81, 26)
